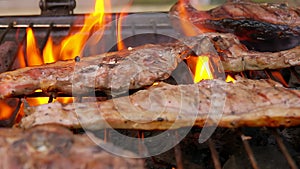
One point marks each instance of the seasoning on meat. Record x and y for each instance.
(247, 102)
(142, 66)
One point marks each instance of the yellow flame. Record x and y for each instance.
(202, 71)
(48, 52)
(230, 79)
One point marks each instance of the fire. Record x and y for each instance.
(21, 57)
(278, 76)
(35, 101)
(190, 29)
(48, 52)
(32, 51)
(71, 46)
(5, 110)
(202, 70)
(120, 43)
(230, 79)
(29, 53)
(187, 27)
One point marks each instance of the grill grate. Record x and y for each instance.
(157, 23)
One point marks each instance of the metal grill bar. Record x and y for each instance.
(214, 154)
(284, 150)
(43, 44)
(249, 151)
(177, 151)
(5, 32)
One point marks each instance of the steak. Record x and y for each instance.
(261, 26)
(142, 66)
(122, 70)
(55, 147)
(246, 102)
(7, 54)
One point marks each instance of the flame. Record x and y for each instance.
(278, 76)
(71, 46)
(48, 53)
(187, 28)
(230, 79)
(120, 43)
(32, 51)
(5, 110)
(202, 70)
(20, 57)
(64, 100)
(35, 101)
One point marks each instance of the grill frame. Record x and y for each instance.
(159, 24)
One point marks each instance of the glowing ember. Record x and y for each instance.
(5, 110)
(230, 79)
(202, 71)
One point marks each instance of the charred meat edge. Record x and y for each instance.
(261, 26)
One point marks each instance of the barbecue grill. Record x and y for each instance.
(56, 19)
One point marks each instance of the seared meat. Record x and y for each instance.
(262, 26)
(119, 71)
(236, 57)
(55, 147)
(7, 54)
(163, 106)
(122, 70)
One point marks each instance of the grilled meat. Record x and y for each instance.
(122, 70)
(119, 71)
(55, 147)
(235, 57)
(7, 52)
(163, 106)
(261, 26)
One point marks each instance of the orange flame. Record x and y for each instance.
(278, 76)
(21, 57)
(32, 51)
(120, 43)
(230, 79)
(35, 101)
(70, 46)
(187, 28)
(5, 110)
(48, 53)
(202, 70)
